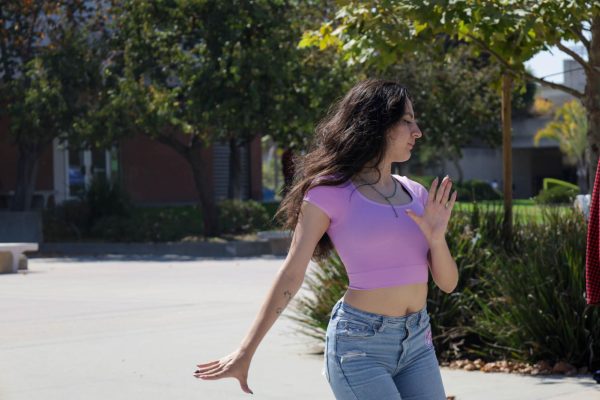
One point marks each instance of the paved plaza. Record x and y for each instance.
(128, 328)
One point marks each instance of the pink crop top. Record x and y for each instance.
(377, 249)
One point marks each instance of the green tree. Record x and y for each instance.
(252, 62)
(569, 128)
(49, 68)
(454, 101)
(316, 80)
(153, 86)
(192, 73)
(511, 32)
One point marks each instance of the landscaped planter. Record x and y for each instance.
(21, 226)
(279, 240)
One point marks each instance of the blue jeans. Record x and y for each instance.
(374, 356)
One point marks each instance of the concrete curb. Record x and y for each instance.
(193, 249)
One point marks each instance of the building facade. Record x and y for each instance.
(150, 172)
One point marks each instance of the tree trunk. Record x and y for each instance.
(207, 200)
(27, 166)
(592, 102)
(456, 163)
(507, 153)
(202, 180)
(235, 171)
(582, 173)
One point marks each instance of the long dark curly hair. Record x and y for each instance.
(351, 137)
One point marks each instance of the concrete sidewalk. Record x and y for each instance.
(134, 328)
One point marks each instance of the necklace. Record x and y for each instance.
(387, 198)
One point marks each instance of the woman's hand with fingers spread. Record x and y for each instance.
(234, 365)
(434, 221)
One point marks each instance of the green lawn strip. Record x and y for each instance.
(522, 208)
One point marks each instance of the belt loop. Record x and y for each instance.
(422, 316)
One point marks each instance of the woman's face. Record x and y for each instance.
(403, 135)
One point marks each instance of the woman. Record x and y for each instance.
(387, 229)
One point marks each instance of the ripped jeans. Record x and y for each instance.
(374, 356)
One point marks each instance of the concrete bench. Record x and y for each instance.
(14, 252)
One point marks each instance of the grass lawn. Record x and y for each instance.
(522, 208)
(525, 208)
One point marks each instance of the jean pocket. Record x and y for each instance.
(354, 329)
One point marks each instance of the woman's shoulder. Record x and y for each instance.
(329, 196)
(325, 188)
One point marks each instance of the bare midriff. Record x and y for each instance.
(395, 301)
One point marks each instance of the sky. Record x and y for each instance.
(551, 62)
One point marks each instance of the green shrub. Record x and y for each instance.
(55, 230)
(116, 229)
(473, 238)
(550, 183)
(114, 219)
(106, 200)
(556, 195)
(537, 308)
(160, 224)
(76, 219)
(237, 216)
(67, 221)
(476, 190)
(271, 208)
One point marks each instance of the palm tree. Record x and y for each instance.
(569, 128)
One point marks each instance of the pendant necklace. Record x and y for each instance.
(388, 197)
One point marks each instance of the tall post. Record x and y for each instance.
(507, 153)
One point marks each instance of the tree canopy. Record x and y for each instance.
(49, 68)
(193, 73)
(511, 31)
(453, 101)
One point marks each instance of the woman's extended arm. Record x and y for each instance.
(312, 224)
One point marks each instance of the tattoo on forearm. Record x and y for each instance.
(288, 295)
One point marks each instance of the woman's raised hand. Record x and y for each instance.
(234, 365)
(434, 221)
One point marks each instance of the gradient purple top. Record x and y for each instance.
(378, 249)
